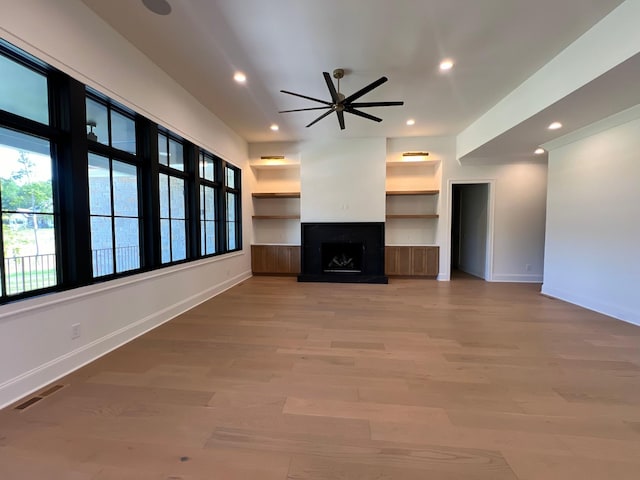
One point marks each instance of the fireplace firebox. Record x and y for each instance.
(343, 252)
(342, 257)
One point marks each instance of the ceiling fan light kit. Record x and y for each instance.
(339, 103)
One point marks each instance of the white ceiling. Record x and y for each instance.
(287, 44)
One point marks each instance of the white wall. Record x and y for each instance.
(343, 180)
(474, 199)
(592, 255)
(517, 203)
(35, 334)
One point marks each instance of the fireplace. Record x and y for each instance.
(342, 257)
(343, 252)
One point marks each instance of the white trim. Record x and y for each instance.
(614, 311)
(620, 118)
(47, 301)
(517, 278)
(33, 380)
(491, 203)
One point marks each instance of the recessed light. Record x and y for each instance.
(159, 7)
(274, 127)
(446, 64)
(411, 121)
(539, 151)
(240, 77)
(555, 126)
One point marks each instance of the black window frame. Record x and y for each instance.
(236, 190)
(123, 156)
(216, 185)
(70, 147)
(185, 177)
(50, 132)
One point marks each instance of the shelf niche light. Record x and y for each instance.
(273, 160)
(415, 156)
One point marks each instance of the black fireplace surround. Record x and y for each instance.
(343, 252)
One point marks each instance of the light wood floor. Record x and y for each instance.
(417, 379)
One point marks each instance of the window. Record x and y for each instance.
(113, 188)
(85, 196)
(113, 205)
(209, 192)
(232, 208)
(110, 127)
(23, 91)
(28, 233)
(173, 212)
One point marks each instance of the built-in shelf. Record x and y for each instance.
(276, 195)
(276, 217)
(412, 192)
(417, 215)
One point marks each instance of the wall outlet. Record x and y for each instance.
(527, 267)
(75, 331)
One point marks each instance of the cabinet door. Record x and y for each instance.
(425, 261)
(390, 260)
(259, 258)
(294, 259)
(433, 261)
(397, 260)
(419, 261)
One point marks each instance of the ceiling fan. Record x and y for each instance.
(339, 103)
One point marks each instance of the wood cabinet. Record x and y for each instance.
(275, 259)
(412, 261)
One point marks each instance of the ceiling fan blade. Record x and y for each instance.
(304, 109)
(375, 104)
(364, 90)
(340, 118)
(328, 112)
(331, 86)
(308, 98)
(362, 114)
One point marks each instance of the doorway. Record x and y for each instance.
(470, 232)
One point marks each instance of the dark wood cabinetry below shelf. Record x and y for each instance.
(412, 261)
(275, 259)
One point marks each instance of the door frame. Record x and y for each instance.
(491, 188)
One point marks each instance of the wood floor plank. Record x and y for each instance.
(280, 380)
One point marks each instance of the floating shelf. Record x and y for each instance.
(417, 215)
(276, 195)
(276, 217)
(413, 192)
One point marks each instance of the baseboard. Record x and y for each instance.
(591, 303)
(517, 278)
(35, 379)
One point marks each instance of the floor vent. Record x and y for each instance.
(49, 391)
(28, 403)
